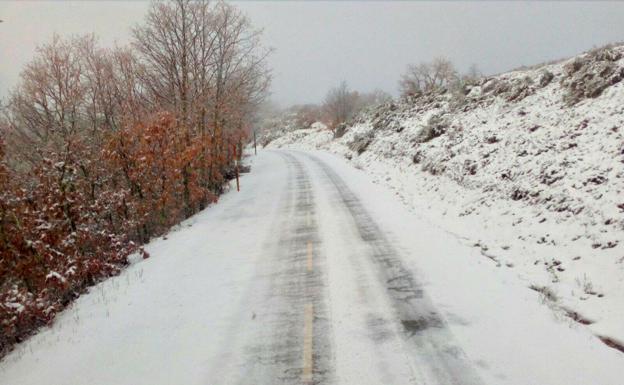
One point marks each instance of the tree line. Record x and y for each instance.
(341, 104)
(103, 148)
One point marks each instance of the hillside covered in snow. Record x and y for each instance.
(527, 166)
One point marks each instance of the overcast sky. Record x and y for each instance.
(368, 44)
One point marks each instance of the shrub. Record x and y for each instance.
(589, 76)
(361, 141)
(545, 78)
(340, 130)
(436, 126)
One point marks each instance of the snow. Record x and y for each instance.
(163, 318)
(187, 315)
(521, 191)
(55, 275)
(14, 305)
(533, 184)
(506, 330)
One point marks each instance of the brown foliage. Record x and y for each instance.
(75, 216)
(91, 164)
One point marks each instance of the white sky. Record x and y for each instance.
(368, 44)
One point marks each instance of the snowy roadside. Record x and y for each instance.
(589, 289)
(162, 318)
(203, 309)
(507, 330)
(535, 185)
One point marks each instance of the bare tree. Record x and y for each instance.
(50, 97)
(340, 104)
(442, 72)
(200, 61)
(426, 77)
(50, 104)
(472, 75)
(306, 115)
(373, 98)
(412, 81)
(241, 73)
(72, 88)
(172, 35)
(129, 91)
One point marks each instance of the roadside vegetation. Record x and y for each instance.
(103, 148)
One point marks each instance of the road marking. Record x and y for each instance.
(310, 260)
(308, 335)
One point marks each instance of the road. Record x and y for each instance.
(294, 280)
(298, 343)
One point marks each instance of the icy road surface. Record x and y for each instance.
(311, 275)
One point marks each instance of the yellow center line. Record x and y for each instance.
(308, 335)
(310, 260)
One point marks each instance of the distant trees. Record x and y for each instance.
(437, 74)
(341, 103)
(425, 77)
(373, 98)
(472, 75)
(307, 114)
(102, 149)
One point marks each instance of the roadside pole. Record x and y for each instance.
(237, 182)
(236, 157)
(255, 151)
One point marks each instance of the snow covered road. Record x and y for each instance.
(311, 275)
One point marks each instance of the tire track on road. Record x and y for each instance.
(295, 346)
(425, 331)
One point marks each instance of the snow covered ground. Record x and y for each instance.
(313, 273)
(527, 168)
